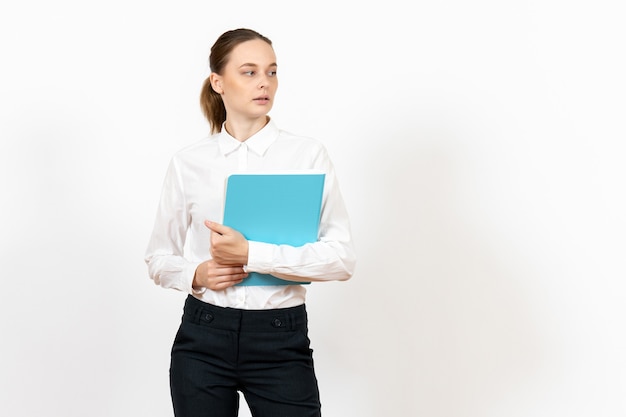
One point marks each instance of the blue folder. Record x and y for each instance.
(274, 208)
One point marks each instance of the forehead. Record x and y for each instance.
(256, 51)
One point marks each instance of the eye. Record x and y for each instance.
(272, 73)
(249, 73)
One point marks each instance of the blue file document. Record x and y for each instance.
(274, 208)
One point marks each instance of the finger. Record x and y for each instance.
(223, 282)
(232, 270)
(228, 272)
(226, 284)
(238, 272)
(216, 227)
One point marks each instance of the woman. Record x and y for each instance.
(251, 339)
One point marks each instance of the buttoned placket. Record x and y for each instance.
(242, 156)
(242, 166)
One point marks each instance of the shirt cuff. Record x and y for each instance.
(260, 257)
(189, 274)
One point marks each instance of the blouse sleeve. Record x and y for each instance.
(167, 266)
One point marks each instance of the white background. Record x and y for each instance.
(480, 149)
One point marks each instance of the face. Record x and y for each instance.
(248, 82)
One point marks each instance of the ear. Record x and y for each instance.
(216, 83)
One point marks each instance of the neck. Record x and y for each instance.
(242, 130)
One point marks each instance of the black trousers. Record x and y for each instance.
(264, 354)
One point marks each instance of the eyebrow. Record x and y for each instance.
(249, 64)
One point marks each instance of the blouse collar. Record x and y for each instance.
(258, 143)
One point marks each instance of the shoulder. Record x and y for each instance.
(199, 145)
(305, 143)
(200, 149)
(305, 151)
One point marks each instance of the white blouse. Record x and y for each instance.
(193, 191)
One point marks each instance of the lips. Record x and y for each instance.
(263, 99)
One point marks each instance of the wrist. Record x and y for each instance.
(197, 283)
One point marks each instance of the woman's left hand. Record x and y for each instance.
(228, 246)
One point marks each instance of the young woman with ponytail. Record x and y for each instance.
(237, 338)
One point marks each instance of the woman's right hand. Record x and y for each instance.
(216, 277)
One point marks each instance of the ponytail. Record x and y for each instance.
(212, 106)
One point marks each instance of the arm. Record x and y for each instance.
(167, 265)
(330, 258)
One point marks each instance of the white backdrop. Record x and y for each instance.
(480, 149)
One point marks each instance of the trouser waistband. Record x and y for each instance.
(234, 319)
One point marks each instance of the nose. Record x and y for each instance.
(264, 81)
